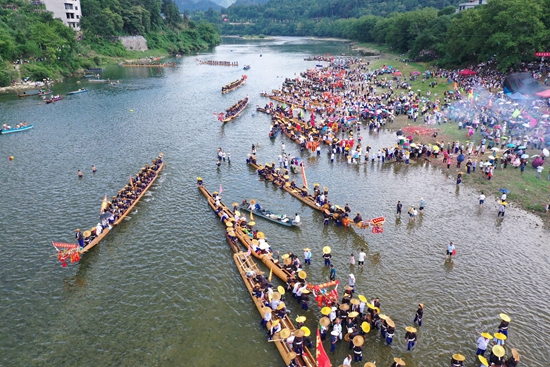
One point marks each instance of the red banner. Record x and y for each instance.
(542, 54)
(59, 245)
(321, 355)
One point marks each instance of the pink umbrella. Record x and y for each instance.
(397, 73)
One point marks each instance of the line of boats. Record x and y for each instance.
(246, 266)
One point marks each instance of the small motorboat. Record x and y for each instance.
(16, 130)
(246, 67)
(81, 90)
(257, 210)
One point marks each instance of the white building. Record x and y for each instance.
(470, 4)
(68, 11)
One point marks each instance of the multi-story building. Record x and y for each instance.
(470, 4)
(68, 11)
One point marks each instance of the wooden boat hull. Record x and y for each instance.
(235, 115)
(244, 264)
(102, 235)
(11, 131)
(241, 83)
(259, 214)
(245, 239)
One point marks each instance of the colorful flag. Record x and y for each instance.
(251, 216)
(321, 355)
(249, 251)
(516, 113)
(270, 275)
(221, 189)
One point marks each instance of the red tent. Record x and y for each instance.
(544, 93)
(467, 72)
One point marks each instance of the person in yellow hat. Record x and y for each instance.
(419, 314)
(503, 327)
(327, 256)
(514, 359)
(275, 328)
(457, 360)
(482, 343)
(410, 337)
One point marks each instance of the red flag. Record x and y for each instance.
(321, 355)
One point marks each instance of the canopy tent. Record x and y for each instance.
(467, 72)
(544, 94)
(523, 83)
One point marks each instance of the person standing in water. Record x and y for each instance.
(451, 250)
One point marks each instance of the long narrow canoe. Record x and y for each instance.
(245, 239)
(106, 230)
(232, 117)
(16, 130)
(236, 84)
(244, 264)
(309, 200)
(272, 217)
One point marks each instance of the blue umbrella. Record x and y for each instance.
(522, 147)
(460, 158)
(511, 145)
(504, 191)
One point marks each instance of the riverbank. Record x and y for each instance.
(526, 191)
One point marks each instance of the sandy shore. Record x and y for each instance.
(23, 86)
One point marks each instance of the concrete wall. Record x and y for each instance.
(136, 43)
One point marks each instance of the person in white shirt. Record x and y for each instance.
(296, 219)
(347, 361)
(351, 282)
(481, 199)
(361, 259)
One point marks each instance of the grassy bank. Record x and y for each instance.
(526, 191)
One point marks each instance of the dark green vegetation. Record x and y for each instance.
(508, 30)
(29, 32)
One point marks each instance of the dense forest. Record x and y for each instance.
(50, 49)
(509, 31)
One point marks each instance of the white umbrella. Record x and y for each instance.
(495, 149)
(487, 163)
(545, 152)
(525, 156)
(545, 116)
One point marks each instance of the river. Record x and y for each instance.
(163, 290)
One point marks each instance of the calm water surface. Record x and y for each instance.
(162, 289)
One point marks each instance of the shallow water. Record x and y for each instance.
(162, 289)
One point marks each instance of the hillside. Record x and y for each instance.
(506, 31)
(50, 49)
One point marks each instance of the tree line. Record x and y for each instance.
(46, 48)
(508, 31)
